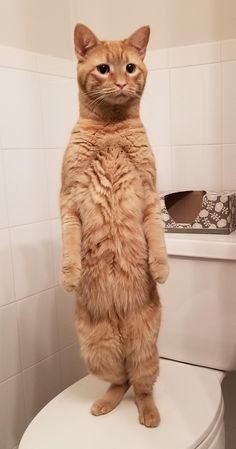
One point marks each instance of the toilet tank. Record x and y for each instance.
(199, 301)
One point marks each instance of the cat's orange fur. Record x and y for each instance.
(113, 244)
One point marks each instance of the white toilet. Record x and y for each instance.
(197, 344)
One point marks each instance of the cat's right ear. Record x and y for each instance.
(84, 40)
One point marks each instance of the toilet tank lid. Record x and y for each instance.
(209, 246)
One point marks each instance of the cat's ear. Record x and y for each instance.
(139, 40)
(84, 40)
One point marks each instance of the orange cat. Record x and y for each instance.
(113, 243)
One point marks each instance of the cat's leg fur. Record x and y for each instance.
(102, 349)
(143, 389)
(142, 360)
(71, 237)
(154, 232)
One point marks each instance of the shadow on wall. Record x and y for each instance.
(48, 344)
(229, 392)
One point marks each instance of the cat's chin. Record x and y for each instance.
(118, 99)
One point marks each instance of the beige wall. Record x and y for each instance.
(46, 26)
(173, 22)
(38, 25)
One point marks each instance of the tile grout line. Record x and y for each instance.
(44, 220)
(171, 127)
(221, 117)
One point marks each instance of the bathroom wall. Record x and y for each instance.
(188, 109)
(47, 26)
(38, 350)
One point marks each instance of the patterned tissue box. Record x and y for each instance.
(199, 212)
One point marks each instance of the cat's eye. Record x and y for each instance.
(103, 68)
(130, 68)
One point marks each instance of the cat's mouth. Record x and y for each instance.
(118, 96)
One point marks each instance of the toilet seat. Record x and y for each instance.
(189, 399)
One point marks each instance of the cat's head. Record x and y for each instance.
(111, 71)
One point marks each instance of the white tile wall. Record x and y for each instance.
(12, 412)
(6, 272)
(229, 166)
(9, 342)
(3, 199)
(41, 383)
(32, 258)
(198, 166)
(229, 101)
(26, 186)
(38, 327)
(20, 109)
(189, 110)
(156, 107)
(37, 335)
(163, 156)
(196, 105)
(59, 109)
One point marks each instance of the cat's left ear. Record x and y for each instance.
(139, 40)
(84, 40)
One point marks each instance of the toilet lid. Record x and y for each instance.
(189, 400)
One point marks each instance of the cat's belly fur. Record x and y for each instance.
(115, 274)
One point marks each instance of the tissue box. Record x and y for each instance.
(199, 212)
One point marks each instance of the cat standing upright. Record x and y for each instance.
(113, 241)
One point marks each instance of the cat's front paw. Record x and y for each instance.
(70, 277)
(159, 270)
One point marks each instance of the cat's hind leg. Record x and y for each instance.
(102, 349)
(142, 361)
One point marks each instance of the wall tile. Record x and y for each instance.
(155, 111)
(54, 165)
(12, 413)
(228, 50)
(26, 186)
(66, 317)
(164, 167)
(197, 167)
(204, 53)
(157, 59)
(17, 58)
(212, 117)
(229, 167)
(42, 382)
(20, 125)
(9, 342)
(6, 273)
(38, 328)
(32, 258)
(59, 108)
(3, 199)
(54, 66)
(187, 105)
(229, 101)
(73, 367)
(195, 105)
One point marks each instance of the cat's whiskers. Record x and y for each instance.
(99, 99)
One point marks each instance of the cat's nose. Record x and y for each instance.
(121, 84)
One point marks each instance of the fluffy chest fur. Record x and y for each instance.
(109, 197)
(106, 184)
